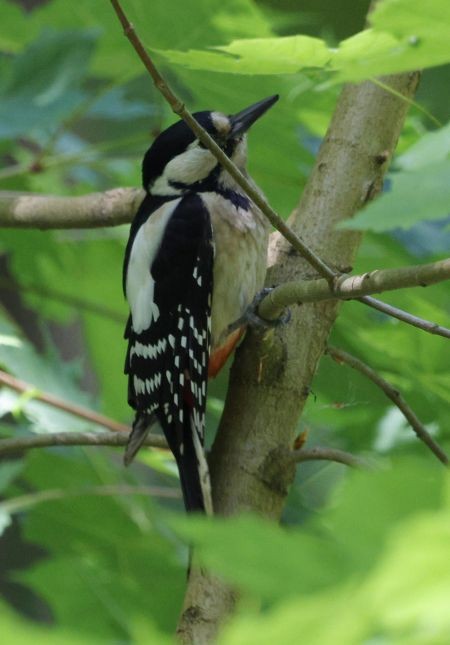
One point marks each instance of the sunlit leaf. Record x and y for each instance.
(405, 35)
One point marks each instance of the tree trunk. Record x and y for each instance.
(272, 373)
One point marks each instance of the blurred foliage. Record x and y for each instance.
(362, 557)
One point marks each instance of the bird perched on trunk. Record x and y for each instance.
(195, 260)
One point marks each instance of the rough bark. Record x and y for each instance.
(272, 374)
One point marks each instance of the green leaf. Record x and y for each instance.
(406, 35)
(109, 550)
(43, 84)
(433, 147)
(257, 56)
(199, 23)
(404, 599)
(422, 194)
(272, 563)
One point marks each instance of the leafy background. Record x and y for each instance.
(361, 557)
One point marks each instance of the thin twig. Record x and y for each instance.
(54, 439)
(319, 453)
(340, 356)
(60, 404)
(404, 316)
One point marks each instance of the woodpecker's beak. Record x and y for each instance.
(242, 121)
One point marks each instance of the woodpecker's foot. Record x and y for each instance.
(250, 317)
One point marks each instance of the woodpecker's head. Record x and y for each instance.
(177, 161)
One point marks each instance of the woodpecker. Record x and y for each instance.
(195, 259)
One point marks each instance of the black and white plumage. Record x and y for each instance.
(195, 259)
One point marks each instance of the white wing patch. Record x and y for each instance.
(140, 284)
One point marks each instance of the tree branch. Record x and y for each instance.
(320, 453)
(72, 408)
(27, 210)
(358, 287)
(115, 439)
(404, 316)
(54, 439)
(340, 356)
(353, 286)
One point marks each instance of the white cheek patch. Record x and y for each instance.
(140, 285)
(193, 165)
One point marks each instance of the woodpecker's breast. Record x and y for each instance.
(241, 235)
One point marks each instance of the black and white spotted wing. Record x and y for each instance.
(168, 281)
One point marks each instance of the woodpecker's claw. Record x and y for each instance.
(250, 317)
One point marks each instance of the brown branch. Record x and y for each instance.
(60, 404)
(27, 210)
(319, 453)
(53, 439)
(115, 439)
(340, 356)
(358, 287)
(354, 286)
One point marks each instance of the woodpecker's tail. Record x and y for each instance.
(191, 460)
(193, 468)
(141, 427)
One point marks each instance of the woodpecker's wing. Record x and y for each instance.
(169, 280)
